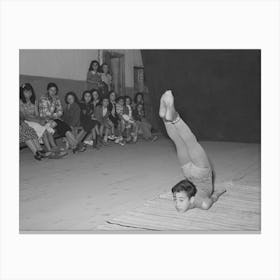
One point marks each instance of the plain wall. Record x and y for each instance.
(72, 64)
(64, 64)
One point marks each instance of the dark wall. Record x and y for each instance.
(218, 92)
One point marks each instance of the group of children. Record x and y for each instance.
(94, 120)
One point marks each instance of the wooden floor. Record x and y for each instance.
(122, 185)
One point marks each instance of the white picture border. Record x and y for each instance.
(146, 24)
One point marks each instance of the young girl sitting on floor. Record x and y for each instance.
(113, 116)
(143, 125)
(130, 126)
(88, 120)
(102, 115)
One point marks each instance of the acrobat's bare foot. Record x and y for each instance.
(168, 100)
(162, 108)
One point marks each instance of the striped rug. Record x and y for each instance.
(236, 210)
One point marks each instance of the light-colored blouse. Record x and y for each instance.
(50, 108)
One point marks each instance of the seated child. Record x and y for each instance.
(119, 113)
(71, 113)
(142, 123)
(88, 121)
(102, 115)
(129, 123)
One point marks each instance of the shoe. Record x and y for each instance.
(154, 138)
(58, 149)
(105, 143)
(37, 156)
(134, 137)
(88, 142)
(44, 154)
(57, 155)
(81, 148)
(111, 137)
(122, 143)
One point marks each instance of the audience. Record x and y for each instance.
(98, 117)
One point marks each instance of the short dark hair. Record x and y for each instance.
(84, 93)
(112, 91)
(27, 87)
(136, 96)
(101, 67)
(91, 65)
(119, 98)
(50, 85)
(106, 97)
(127, 97)
(185, 186)
(95, 89)
(74, 96)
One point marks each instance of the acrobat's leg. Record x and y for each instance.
(195, 150)
(181, 147)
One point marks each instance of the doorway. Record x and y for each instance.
(115, 62)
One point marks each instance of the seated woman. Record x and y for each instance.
(29, 136)
(196, 190)
(30, 114)
(50, 109)
(88, 121)
(143, 125)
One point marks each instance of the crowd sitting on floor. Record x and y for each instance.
(92, 121)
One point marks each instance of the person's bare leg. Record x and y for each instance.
(51, 140)
(71, 139)
(37, 144)
(81, 135)
(93, 132)
(31, 146)
(46, 141)
(181, 148)
(195, 150)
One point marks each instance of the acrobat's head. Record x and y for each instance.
(183, 195)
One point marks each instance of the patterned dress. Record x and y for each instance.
(26, 132)
(29, 109)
